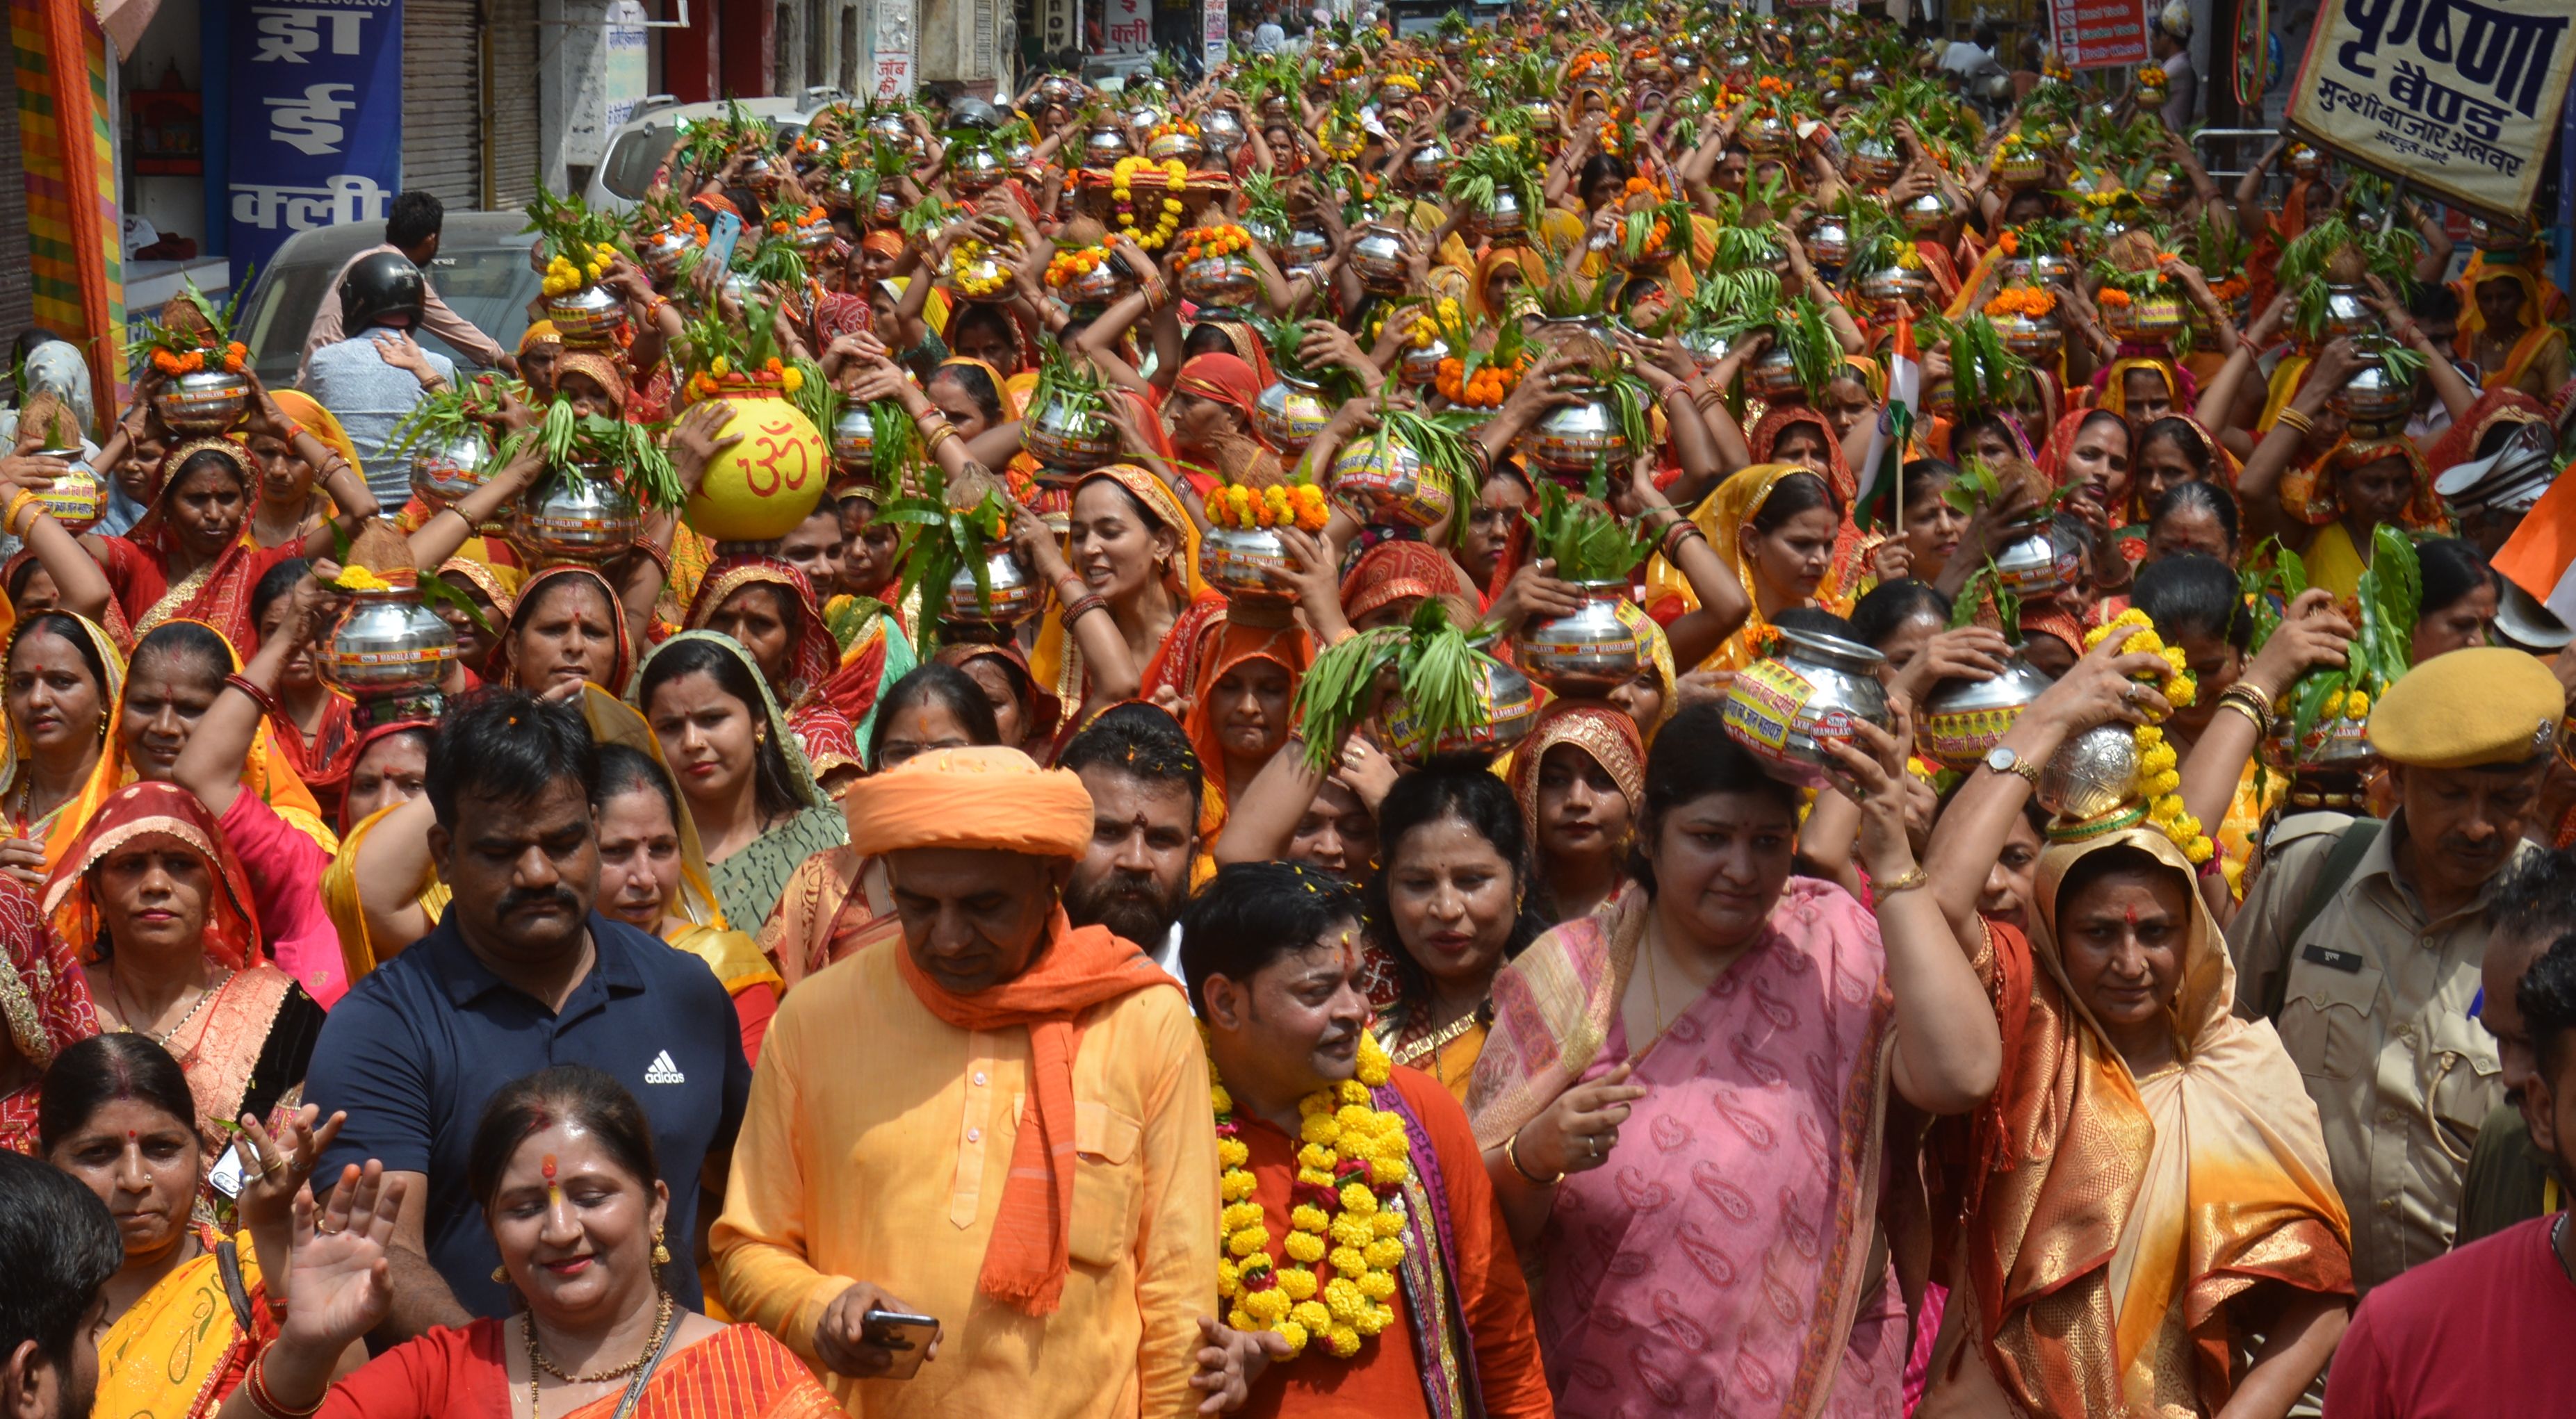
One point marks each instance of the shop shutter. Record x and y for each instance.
(442, 133)
(511, 49)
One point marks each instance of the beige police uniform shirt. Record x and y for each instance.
(2376, 1010)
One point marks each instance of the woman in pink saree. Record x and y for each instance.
(1684, 1095)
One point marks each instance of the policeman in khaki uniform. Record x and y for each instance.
(2362, 945)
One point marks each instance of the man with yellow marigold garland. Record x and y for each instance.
(1365, 1268)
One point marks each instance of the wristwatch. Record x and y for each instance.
(2004, 760)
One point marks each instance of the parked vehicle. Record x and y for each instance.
(482, 272)
(637, 147)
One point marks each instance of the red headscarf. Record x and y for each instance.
(531, 594)
(2054, 458)
(1285, 646)
(813, 655)
(1225, 379)
(165, 810)
(1045, 710)
(1783, 417)
(1391, 571)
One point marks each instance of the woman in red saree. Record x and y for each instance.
(768, 608)
(158, 904)
(192, 556)
(1210, 415)
(45, 1002)
(570, 1132)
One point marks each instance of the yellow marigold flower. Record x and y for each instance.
(2357, 704)
(1236, 1216)
(1388, 1172)
(1233, 1152)
(1307, 1217)
(1356, 1198)
(1235, 1186)
(1304, 1248)
(791, 379)
(1344, 1300)
(2198, 850)
(1248, 1241)
(1320, 1128)
(1313, 1155)
(357, 578)
(1351, 1231)
(1229, 1278)
(721, 366)
(1357, 1116)
(2165, 782)
(1385, 1254)
(1315, 1177)
(1343, 1341)
(1313, 1315)
(1386, 1224)
(1373, 1320)
(1295, 1335)
(1267, 1306)
(1349, 1261)
(1298, 1283)
(1353, 1094)
(1378, 1285)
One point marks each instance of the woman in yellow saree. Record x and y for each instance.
(2504, 328)
(1776, 526)
(568, 1131)
(189, 1311)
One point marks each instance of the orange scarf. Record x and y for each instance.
(1024, 1264)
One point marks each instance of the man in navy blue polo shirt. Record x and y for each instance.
(521, 974)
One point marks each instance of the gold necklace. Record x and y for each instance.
(537, 1358)
(204, 994)
(1437, 1040)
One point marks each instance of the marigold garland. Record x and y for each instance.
(1347, 1210)
(1487, 390)
(1209, 243)
(965, 254)
(2033, 301)
(1122, 183)
(2159, 768)
(1074, 263)
(1301, 505)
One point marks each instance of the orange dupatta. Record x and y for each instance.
(1026, 1260)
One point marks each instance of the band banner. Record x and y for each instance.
(2459, 97)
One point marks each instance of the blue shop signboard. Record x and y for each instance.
(316, 120)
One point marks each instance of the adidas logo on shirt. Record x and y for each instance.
(663, 1071)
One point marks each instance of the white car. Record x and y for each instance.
(620, 181)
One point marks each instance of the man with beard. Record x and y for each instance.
(2508, 1180)
(2362, 944)
(521, 974)
(983, 1115)
(1377, 1252)
(2484, 1330)
(58, 1247)
(1143, 778)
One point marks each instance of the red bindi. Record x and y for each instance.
(2129, 915)
(554, 1190)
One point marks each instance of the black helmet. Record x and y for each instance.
(376, 287)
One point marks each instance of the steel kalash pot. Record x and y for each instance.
(2091, 774)
(1239, 562)
(77, 497)
(1418, 366)
(1065, 430)
(1429, 165)
(2377, 401)
(1892, 288)
(1810, 692)
(592, 316)
(2348, 315)
(1291, 412)
(1961, 719)
(977, 170)
(1223, 132)
(2037, 558)
(1829, 242)
(1588, 652)
(1772, 376)
(1566, 440)
(1511, 706)
(1501, 218)
(1385, 478)
(2029, 336)
(1219, 284)
(445, 470)
(1874, 161)
(202, 403)
(576, 514)
(1377, 257)
(1106, 141)
(389, 651)
(1011, 594)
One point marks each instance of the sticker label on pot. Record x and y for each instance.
(1762, 707)
(420, 655)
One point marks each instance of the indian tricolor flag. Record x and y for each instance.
(2540, 557)
(1887, 442)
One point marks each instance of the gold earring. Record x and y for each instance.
(661, 1253)
(501, 1274)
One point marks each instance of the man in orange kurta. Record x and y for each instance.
(1269, 950)
(984, 1115)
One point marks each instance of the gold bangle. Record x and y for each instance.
(931, 436)
(2296, 420)
(1512, 1156)
(17, 505)
(1910, 879)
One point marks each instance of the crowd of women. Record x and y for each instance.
(1461, 439)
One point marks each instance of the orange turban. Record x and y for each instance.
(991, 798)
